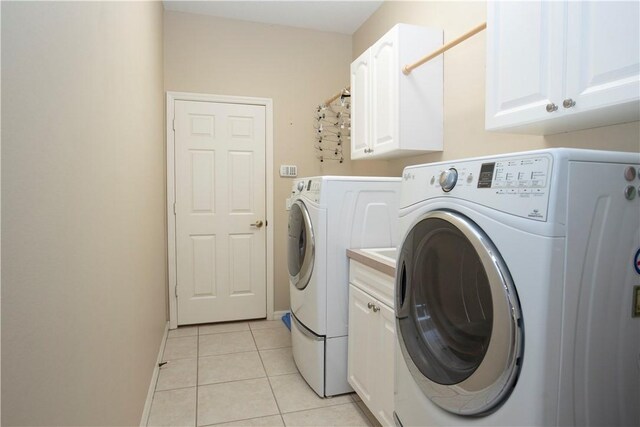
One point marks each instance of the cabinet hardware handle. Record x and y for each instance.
(551, 107)
(370, 305)
(376, 309)
(568, 103)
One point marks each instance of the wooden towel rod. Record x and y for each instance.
(408, 68)
(337, 95)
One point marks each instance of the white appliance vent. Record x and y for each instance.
(288, 170)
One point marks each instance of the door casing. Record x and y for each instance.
(172, 97)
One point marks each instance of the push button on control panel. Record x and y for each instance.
(630, 192)
(629, 173)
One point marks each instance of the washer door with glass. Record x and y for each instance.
(301, 245)
(458, 316)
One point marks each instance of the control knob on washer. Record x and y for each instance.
(448, 179)
(300, 185)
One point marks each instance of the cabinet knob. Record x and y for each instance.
(376, 309)
(551, 107)
(370, 305)
(568, 103)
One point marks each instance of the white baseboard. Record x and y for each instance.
(277, 315)
(154, 379)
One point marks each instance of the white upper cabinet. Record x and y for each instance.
(523, 56)
(360, 104)
(393, 114)
(561, 66)
(603, 53)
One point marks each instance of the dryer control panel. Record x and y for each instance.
(518, 185)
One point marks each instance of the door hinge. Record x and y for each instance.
(173, 124)
(176, 290)
(174, 209)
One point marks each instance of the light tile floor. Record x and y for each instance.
(242, 374)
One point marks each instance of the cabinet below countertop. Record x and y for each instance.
(372, 331)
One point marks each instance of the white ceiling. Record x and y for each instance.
(336, 16)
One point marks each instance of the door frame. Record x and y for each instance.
(172, 97)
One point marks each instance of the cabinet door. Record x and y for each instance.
(360, 104)
(384, 93)
(525, 55)
(603, 53)
(385, 364)
(362, 337)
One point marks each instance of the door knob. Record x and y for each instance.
(257, 224)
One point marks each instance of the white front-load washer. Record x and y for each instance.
(330, 214)
(517, 291)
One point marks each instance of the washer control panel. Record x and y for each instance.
(525, 174)
(517, 185)
(310, 187)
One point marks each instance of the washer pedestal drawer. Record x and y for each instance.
(321, 361)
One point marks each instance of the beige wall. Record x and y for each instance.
(300, 68)
(83, 224)
(464, 85)
(297, 68)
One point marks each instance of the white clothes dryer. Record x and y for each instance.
(517, 293)
(330, 214)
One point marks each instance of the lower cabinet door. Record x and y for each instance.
(362, 334)
(385, 371)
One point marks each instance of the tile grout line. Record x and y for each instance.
(224, 332)
(321, 407)
(244, 419)
(172, 389)
(226, 354)
(267, 375)
(235, 381)
(366, 417)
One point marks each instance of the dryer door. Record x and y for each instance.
(458, 316)
(301, 245)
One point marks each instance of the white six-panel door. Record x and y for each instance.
(220, 205)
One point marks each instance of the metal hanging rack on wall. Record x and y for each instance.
(333, 126)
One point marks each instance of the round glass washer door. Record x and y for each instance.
(301, 246)
(457, 315)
